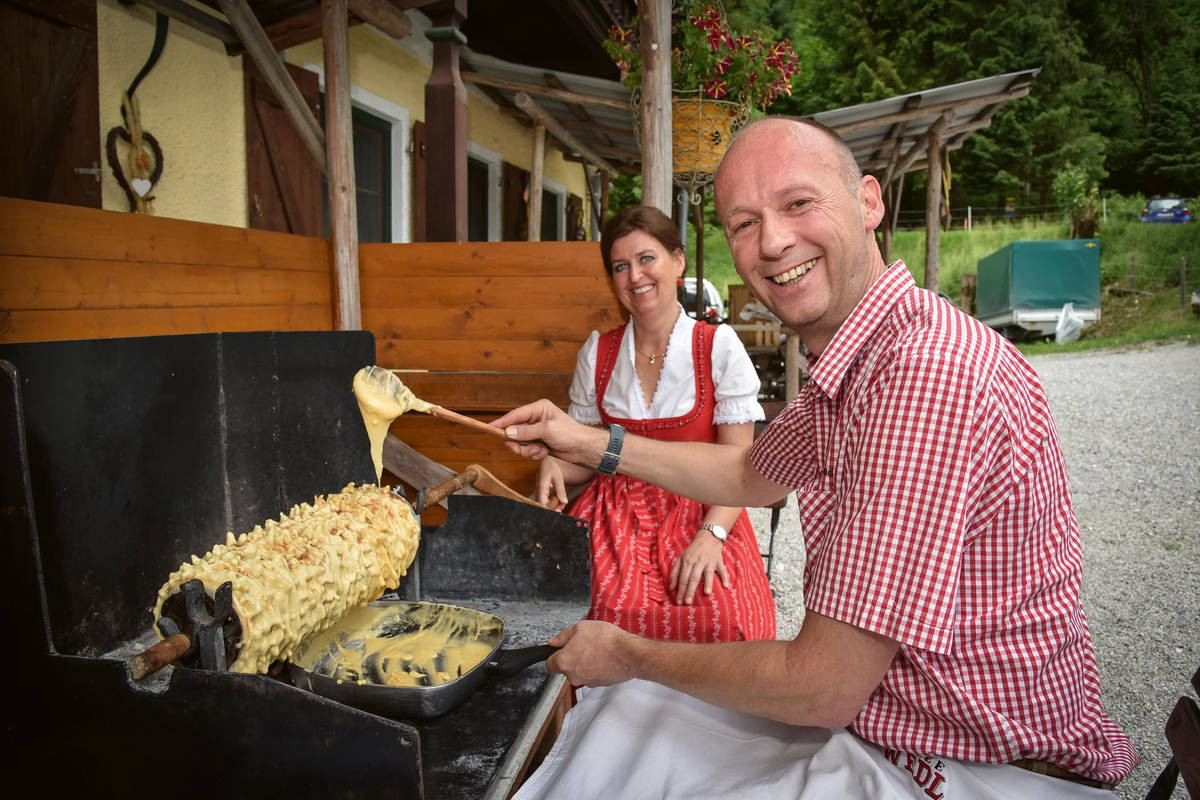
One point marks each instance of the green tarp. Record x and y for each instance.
(1045, 274)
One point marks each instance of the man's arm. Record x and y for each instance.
(709, 473)
(823, 677)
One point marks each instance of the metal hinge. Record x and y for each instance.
(94, 169)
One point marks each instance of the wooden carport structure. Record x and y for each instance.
(913, 132)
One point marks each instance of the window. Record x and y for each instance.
(483, 193)
(381, 166)
(372, 178)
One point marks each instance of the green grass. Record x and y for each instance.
(1151, 312)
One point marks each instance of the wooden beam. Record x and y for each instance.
(936, 108)
(580, 114)
(535, 182)
(343, 204)
(654, 22)
(933, 201)
(194, 18)
(383, 15)
(542, 117)
(258, 46)
(446, 128)
(470, 76)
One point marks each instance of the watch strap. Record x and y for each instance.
(612, 453)
(712, 528)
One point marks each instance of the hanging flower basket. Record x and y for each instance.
(700, 132)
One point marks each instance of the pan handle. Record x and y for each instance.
(510, 662)
(436, 494)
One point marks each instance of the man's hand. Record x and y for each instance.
(542, 428)
(593, 654)
(702, 559)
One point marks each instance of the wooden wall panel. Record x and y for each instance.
(484, 326)
(75, 273)
(480, 328)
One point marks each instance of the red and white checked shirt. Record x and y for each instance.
(937, 512)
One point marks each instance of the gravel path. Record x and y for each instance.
(1129, 422)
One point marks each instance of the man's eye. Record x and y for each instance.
(798, 203)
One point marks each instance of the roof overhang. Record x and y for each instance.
(890, 137)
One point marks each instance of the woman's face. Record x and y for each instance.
(645, 274)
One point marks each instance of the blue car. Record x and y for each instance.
(1166, 209)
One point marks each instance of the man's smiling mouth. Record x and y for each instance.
(794, 274)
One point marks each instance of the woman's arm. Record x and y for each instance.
(703, 560)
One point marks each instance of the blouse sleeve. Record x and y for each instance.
(736, 379)
(584, 406)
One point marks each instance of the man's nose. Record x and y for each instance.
(775, 236)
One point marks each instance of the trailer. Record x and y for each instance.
(1022, 287)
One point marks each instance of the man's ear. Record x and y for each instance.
(870, 199)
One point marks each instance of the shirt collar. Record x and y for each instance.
(828, 371)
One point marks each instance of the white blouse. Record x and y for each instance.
(737, 383)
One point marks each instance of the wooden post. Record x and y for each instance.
(654, 21)
(791, 366)
(446, 128)
(933, 211)
(339, 159)
(885, 247)
(699, 225)
(259, 48)
(535, 182)
(1183, 298)
(605, 193)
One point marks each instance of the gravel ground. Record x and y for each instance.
(1129, 422)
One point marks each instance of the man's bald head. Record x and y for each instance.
(849, 169)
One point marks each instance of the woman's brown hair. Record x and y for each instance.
(647, 219)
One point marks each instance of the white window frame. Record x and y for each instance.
(401, 177)
(494, 163)
(560, 204)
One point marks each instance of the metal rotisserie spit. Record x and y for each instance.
(123, 458)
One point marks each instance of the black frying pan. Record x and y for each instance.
(439, 684)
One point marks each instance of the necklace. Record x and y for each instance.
(651, 356)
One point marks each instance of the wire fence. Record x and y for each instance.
(967, 216)
(1144, 276)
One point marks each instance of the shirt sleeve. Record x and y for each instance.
(893, 500)
(736, 380)
(584, 406)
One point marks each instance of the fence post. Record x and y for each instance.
(968, 218)
(1183, 301)
(1132, 282)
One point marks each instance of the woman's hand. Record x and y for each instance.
(702, 559)
(550, 484)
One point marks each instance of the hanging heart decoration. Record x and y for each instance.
(143, 164)
(137, 190)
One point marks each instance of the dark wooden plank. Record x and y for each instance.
(50, 283)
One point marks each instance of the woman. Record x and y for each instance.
(664, 566)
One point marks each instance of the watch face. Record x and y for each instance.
(716, 531)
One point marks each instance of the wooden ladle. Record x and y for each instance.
(392, 386)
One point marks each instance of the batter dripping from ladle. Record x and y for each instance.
(382, 397)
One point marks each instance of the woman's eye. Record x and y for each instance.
(620, 267)
(646, 259)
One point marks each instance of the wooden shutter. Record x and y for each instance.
(49, 101)
(283, 179)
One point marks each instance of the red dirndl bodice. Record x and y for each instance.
(638, 530)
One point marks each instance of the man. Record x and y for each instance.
(942, 584)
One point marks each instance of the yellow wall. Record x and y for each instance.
(191, 102)
(382, 67)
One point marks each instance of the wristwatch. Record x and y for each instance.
(612, 453)
(715, 530)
